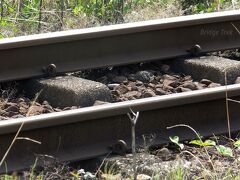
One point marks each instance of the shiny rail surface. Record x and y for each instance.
(92, 131)
(59, 52)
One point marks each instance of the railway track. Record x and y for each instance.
(92, 131)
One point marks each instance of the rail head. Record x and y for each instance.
(116, 109)
(76, 50)
(119, 29)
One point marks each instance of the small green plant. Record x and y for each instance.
(109, 171)
(176, 173)
(148, 141)
(237, 143)
(224, 151)
(1, 36)
(32, 172)
(208, 142)
(175, 140)
(75, 175)
(81, 174)
(156, 176)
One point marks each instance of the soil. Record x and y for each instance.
(164, 162)
(192, 162)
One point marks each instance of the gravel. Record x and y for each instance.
(20, 107)
(148, 80)
(124, 83)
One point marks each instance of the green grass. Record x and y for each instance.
(34, 16)
(25, 17)
(204, 6)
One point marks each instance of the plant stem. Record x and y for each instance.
(227, 107)
(62, 12)
(19, 130)
(1, 10)
(134, 119)
(40, 15)
(134, 150)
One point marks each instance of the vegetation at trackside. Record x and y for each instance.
(204, 6)
(22, 17)
(34, 16)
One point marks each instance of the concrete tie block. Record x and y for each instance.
(66, 91)
(209, 67)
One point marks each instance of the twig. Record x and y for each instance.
(13, 141)
(27, 20)
(61, 15)
(122, 6)
(1, 5)
(19, 8)
(19, 130)
(233, 4)
(40, 15)
(134, 117)
(103, 11)
(218, 5)
(96, 8)
(29, 139)
(232, 100)
(235, 28)
(227, 106)
(188, 152)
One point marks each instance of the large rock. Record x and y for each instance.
(67, 91)
(210, 67)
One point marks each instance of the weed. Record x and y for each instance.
(35, 16)
(148, 141)
(225, 151)
(176, 173)
(208, 142)
(175, 140)
(237, 143)
(202, 6)
(200, 139)
(32, 176)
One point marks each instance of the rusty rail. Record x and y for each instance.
(89, 132)
(59, 52)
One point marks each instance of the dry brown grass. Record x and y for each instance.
(156, 11)
(51, 19)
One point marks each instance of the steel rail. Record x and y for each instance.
(88, 132)
(59, 52)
